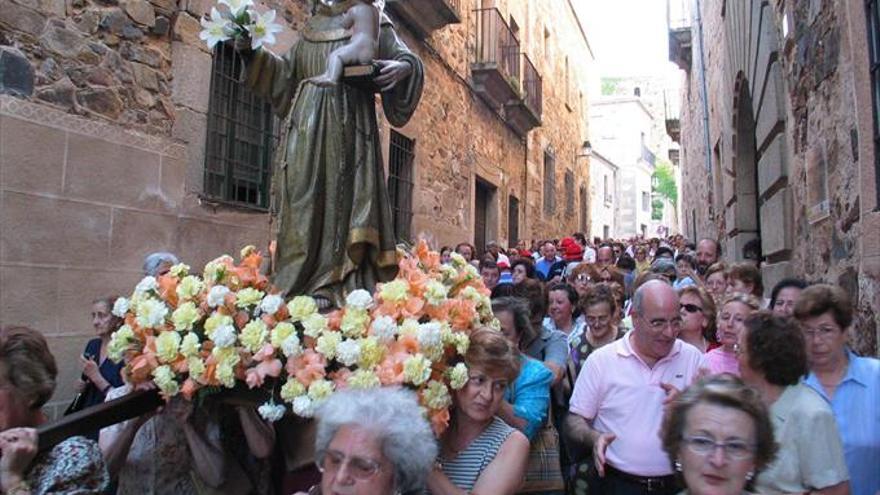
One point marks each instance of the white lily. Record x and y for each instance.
(263, 29)
(236, 7)
(215, 30)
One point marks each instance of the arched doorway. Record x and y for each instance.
(745, 200)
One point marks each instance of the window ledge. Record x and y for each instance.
(230, 205)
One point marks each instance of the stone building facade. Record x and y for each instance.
(781, 144)
(111, 120)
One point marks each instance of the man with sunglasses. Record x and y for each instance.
(617, 404)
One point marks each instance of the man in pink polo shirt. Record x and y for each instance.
(618, 399)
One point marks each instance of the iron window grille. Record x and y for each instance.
(872, 11)
(400, 183)
(569, 193)
(241, 136)
(549, 183)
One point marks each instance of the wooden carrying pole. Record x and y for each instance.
(102, 415)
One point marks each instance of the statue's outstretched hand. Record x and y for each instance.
(391, 72)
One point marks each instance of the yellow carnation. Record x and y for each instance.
(163, 377)
(119, 342)
(363, 379)
(185, 316)
(226, 375)
(216, 320)
(409, 328)
(292, 389)
(196, 367)
(179, 270)
(314, 325)
(189, 346)
(416, 369)
(247, 250)
(458, 376)
(301, 306)
(215, 271)
(395, 291)
(248, 297)
(435, 293)
(462, 342)
(354, 323)
(281, 332)
(320, 390)
(167, 346)
(327, 344)
(371, 353)
(226, 355)
(436, 395)
(189, 287)
(254, 335)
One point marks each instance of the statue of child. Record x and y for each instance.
(362, 18)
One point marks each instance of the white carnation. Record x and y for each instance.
(146, 284)
(151, 313)
(302, 406)
(224, 336)
(216, 295)
(314, 325)
(120, 307)
(271, 304)
(271, 412)
(430, 334)
(291, 346)
(384, 328)
(359, 299)
(348, 352)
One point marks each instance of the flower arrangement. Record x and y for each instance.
(190, 333)
(232, 19)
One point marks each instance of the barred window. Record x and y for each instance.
(872, 8)
(400, 183)
(241, 135)
(549, 183)
(569, 193)
(512, 221)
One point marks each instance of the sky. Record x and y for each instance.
(628, 37)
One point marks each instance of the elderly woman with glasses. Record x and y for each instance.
(773, 359)
(373, 442)
(850, 384)
(718, 436)
(733, 311)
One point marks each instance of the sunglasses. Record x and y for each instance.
(690, 308)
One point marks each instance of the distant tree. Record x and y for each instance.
(664, 188)
(609, 85)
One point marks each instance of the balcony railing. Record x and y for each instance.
(679, 23)
(426, 16)
(496, 69)
(532, 86)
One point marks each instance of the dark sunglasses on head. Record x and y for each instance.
(690, 308)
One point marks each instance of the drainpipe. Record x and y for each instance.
(705, 97)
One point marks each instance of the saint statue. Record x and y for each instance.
(333, 216)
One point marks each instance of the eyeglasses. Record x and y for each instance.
(824, 333)
(597, 320)
(660, 324)
(690, 308)
(358, 467)
(733, 449)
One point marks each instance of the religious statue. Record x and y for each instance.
(333, 216)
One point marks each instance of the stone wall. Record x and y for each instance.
(805, 166)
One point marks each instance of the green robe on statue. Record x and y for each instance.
(334, 224)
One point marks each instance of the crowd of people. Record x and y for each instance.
(637, 367)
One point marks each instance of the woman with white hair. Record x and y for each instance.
(373, 442)
(159, 263)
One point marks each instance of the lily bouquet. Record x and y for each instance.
(233, 19)
(196, 334)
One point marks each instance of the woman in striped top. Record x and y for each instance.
(480, 453)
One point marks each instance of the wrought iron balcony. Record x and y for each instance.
(524, 113)
(496, 67)
(673, 129)
(680, 44)
(426, 16)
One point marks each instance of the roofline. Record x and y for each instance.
(612, 100)
(580, 26)
(605, 159)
